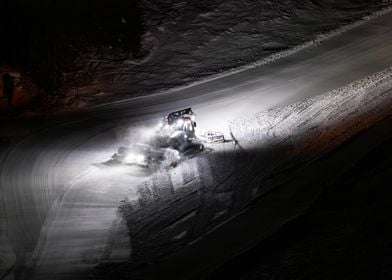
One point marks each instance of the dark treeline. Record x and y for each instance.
(44, 36)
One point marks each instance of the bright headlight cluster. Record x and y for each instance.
(140, 158)
(135, 159)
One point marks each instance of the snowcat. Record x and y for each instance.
(174, 139)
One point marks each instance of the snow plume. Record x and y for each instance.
(128, 135)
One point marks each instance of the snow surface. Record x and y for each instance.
(221, 184)
(359, 104)
(199, 196)
(186, 41)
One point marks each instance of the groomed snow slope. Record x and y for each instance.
(176, 208)
(321, 122)
(186, 41)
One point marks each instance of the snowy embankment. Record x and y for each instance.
(322, 122)
(175, 208)
(318, 40)
(186, 42)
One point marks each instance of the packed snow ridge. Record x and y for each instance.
(318, 40)
(321, 121)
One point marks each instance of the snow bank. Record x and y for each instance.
(178, 207)
(312, 126)
(320, 122)
(185, 203)
(189, 42)
(318, 40)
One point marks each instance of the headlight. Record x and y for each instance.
(129, 158)
(140, 159)
(180, 122)
(135, 159)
